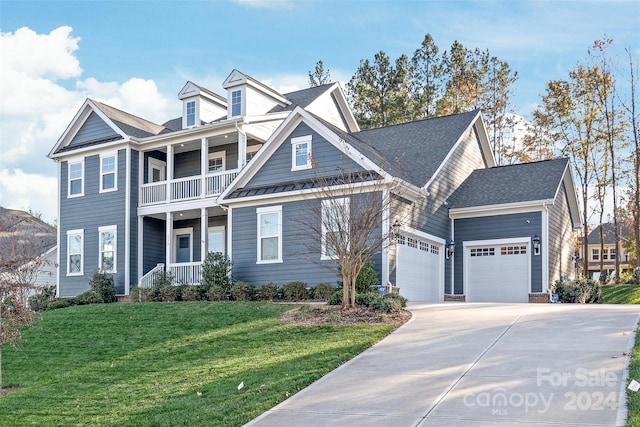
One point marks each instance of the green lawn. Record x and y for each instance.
(168, 364)
(628, 294)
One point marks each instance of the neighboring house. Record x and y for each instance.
(605, 253)
(235, 175)
(25, 237)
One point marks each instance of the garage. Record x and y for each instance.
(497, 271)
(420, 268)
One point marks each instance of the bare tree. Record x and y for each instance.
(347, 218)
(21, 259)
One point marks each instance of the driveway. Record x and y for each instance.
(465, 364)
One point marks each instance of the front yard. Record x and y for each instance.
(161, 364)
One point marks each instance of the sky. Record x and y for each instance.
(137, 55)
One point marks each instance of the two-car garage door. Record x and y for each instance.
(497, 271)
(420, 268)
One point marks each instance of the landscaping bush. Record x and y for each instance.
(59, 303)
(335, 298)
(216, 271)
(294, 291)
(266, 292)
(89, 297)
(578, 291)
(216, 293)
(167, 293)
(102, 284)
(365, 299)
(367, 280)
(387, 305)
(40, 301)
(630, 277)
(323, 291)
(242, 291)
(189, 293)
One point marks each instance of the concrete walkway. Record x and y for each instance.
(464, 364)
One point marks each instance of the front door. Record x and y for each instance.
(183, 247)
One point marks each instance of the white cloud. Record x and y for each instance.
(41, 90)
(24, 191)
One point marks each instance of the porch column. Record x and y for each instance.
(168, 240)
(204, 166)
(140, 248)
(204, 222)
(242, 148)
(169, 171)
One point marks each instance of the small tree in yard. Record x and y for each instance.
(344, 217)
(20, 263)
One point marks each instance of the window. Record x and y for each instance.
(251, 151)
(513, 250)
(75, 252)
(191, 113)
(156, 170)
(107, 249)
(216, 161)
(595, 254)
(269, 234)
(335, 226)
(301, 153)
(76, 179)
(236, 103)
(108, 173)
(483, 252)
(215, 239)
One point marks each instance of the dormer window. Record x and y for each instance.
(191, 113)
(236, 103)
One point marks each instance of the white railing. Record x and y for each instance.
(186, 272)
(186, 188)
(216, 183)
(147, 280)
(152, 193)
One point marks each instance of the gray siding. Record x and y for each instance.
(328, 158)
(89, 212)
(153, 244)
(497, 227)
(186, 164)
(301, 251)
(93, 129)
(561, 245)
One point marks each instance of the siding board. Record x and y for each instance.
(93, 129)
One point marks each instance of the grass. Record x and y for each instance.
(168, 364)
(628, 294)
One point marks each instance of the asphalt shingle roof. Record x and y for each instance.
(131, 125)
(608, 234)
(302, 97)
(511, 184)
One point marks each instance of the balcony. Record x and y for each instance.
(188, 188)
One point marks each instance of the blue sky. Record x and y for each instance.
(137, 55)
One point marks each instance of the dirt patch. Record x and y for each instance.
(5, 391)
(313, 315)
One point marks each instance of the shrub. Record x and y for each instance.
(367, 279)
(294, 291)
(89, 297)
(167, 294)
(266, 292)
(102, 284)
(189, 293)
(216, 293)
(162, 278)
(630, 277)
(59, 303)
(398, 297)
(335, 298)
(365, 299)
(242, 291)
(323, 291)
(387, 305)
(579, 291)
(41, 300)
(216, 271)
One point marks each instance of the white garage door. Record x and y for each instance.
(497, 272)
(419, 269)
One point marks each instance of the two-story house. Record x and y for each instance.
(601, 257)
(233, 174)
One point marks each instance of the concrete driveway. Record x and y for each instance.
(464, 364)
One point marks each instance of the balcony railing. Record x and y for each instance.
(188, 188)
(189, 273)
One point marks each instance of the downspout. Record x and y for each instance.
(451, 257)
(242, 153)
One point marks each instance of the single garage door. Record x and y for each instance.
(497, 272)
(419, 269)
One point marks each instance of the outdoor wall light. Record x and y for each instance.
(536, 244)
(395, 229)
(451, 247)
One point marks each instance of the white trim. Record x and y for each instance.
(251, 149)
(161, 165)
(70, 233)
(229, 232)
(69, 164)
(127, 221)
(196, 107)
(215, 155)
(104, 156)
(108, 229)
(259, 213)
(58, 229)
(493, 210)
(496, 242)
(176, 232)
(295, 142)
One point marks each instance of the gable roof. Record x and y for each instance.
(608, 234)
(512, 184)
(419, 148)
(302, 97)
(128, 123)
